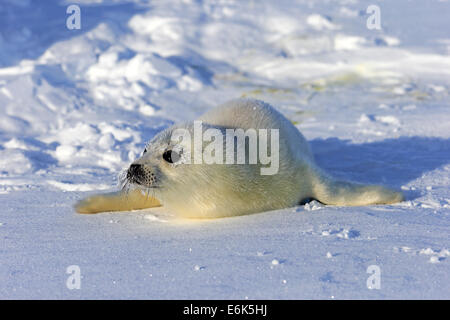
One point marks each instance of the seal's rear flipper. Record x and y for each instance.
(116, 201)
(342, 193)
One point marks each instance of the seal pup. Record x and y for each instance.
(165, 175)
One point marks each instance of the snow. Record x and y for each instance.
(77, 106)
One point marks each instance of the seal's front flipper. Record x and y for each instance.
(116, 201)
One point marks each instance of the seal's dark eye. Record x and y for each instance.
(171, 156)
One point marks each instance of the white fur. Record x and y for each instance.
(215, 190)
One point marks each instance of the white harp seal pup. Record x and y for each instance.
(167, 174)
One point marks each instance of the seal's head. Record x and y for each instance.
(155, 168)
(168, 170)
(164, 170)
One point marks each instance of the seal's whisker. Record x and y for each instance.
(153, 195)
(122, 178)
(125, 184)
(127, 191)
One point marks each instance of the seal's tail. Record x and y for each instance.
(330, 191)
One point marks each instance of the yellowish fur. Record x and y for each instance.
(116, 201)
(219, 190)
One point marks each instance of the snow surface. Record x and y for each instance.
(77, 106)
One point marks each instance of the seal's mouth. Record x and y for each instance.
(139, 176)
(135, 173)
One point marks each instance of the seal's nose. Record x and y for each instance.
(135, 170)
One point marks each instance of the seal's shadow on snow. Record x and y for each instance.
(391, 162)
